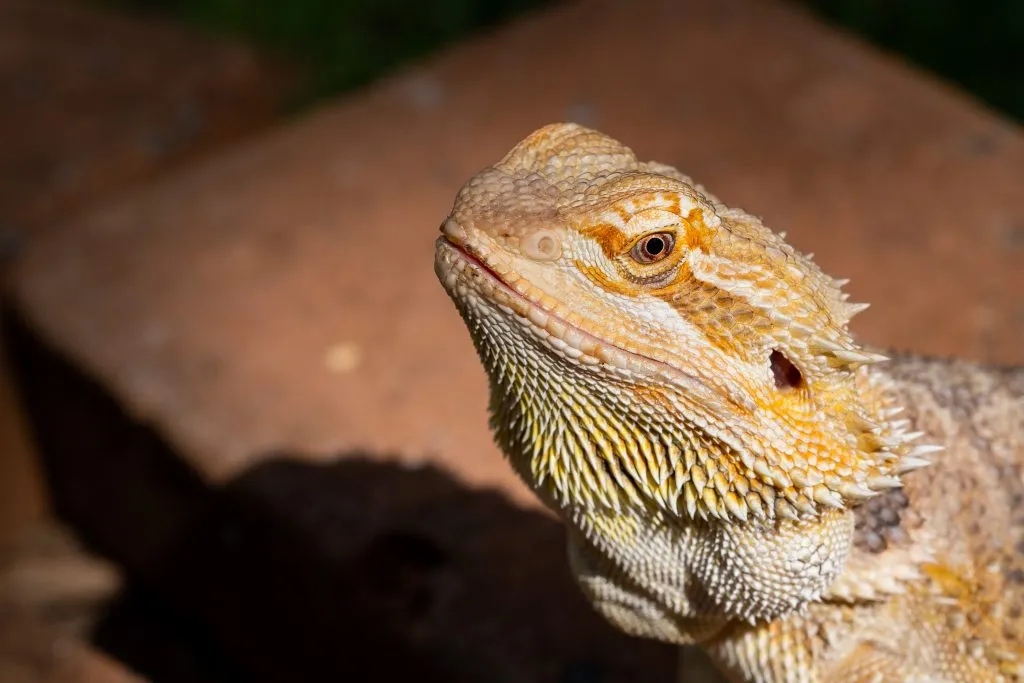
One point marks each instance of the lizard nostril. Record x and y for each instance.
(542, 245)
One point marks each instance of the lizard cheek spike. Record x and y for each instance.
(542, 245)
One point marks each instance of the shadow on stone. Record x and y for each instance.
(358, 569)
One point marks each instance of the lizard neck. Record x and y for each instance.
(584, 440)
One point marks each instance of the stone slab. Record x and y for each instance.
(95, 100)
(281, 296)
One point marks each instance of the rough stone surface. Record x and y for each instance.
(94, 101)
(282, 295)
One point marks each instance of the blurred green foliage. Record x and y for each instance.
(978, 44)
(339, 43)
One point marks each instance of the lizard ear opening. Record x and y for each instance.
(787, 375)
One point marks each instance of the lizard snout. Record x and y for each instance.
(454, 232)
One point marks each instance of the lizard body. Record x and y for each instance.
(735, 471)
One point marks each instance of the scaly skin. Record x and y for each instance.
(734, 470)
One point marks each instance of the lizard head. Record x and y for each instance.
(648, 345)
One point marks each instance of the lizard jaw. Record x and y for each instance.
(464, 274)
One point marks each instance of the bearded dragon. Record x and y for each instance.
(734, 470)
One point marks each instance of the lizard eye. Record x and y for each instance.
(653, 248)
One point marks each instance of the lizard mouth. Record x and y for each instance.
(462, 272)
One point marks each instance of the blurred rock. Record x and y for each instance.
(51, 594)
(42, 568)
(95, 100)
